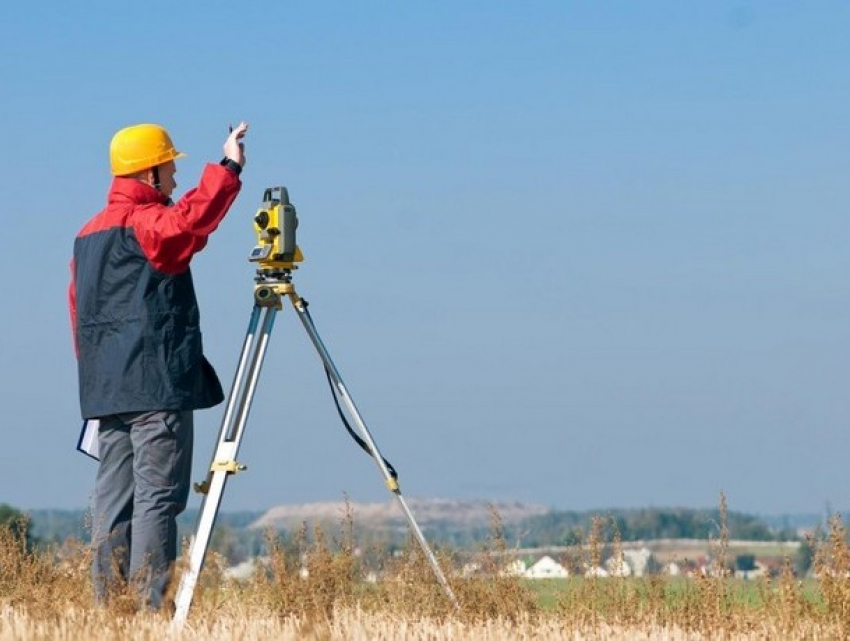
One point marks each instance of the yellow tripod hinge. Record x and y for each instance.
(231, 467)
(227, 466)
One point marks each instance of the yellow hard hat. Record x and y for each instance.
(140, 147)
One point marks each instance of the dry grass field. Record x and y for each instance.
(313, 588)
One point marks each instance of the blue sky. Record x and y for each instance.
(588, 255)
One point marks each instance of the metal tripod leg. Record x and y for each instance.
(392, 483)
(224, 459)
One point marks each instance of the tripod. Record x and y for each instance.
(273, 285)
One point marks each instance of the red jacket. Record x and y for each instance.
(134, 313)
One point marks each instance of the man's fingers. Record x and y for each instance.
(233, 146)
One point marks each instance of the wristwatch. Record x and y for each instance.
(232, 165)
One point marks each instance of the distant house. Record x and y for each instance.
(617, 566)
(758, 571)
(242, 571)
(515, 568)
(546, 568)
(638, 560)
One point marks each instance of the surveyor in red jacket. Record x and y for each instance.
(142, 369)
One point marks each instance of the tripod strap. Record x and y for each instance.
(353, 434)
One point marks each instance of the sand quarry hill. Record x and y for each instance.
(426, 511)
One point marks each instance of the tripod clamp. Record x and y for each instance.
(271, 289)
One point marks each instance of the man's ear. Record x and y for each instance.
(145, 176)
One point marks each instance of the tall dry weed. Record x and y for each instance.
(832, 567)
(46, 580)
(311, 585)
(491, 590)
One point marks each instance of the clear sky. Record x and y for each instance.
(583, 254)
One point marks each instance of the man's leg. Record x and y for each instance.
(113, 509)
(162, 446)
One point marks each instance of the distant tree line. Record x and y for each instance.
(236, 541)
(570, 528)
(17, 522)
(58, 526)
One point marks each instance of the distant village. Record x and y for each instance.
(675, 557)
(671, 558)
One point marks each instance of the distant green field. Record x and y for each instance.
(676, 591)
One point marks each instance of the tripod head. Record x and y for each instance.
(275, 223)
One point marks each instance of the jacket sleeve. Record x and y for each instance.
(72, 308)
(171, 235)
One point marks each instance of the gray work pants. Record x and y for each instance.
(142, 485)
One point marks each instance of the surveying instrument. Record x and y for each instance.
(276, 254)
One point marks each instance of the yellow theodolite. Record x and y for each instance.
(275, 224)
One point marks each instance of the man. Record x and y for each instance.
(140, 358)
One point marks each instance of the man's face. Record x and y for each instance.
(167, 184)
